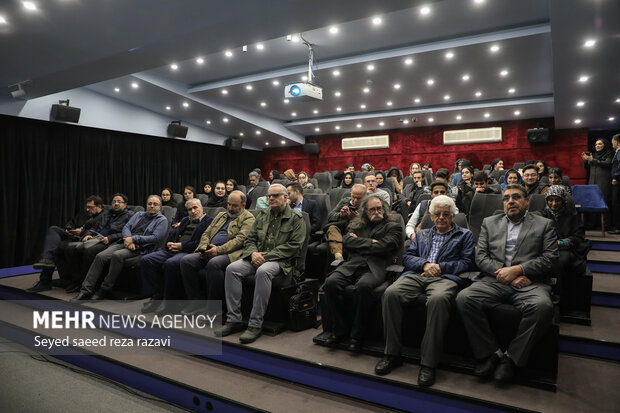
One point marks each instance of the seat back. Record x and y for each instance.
(135, 208)
(324, 205)
(169, 213)
(497, 175)
(588, 198)
(324, 181)
(482, 206)
(256, 193)
(314, 182)
(407, 180)
(428, 177)
(242, 188)
(213, 211)
(336, 194)
(486, 167)
(284, 182)
(177, 198)
(518, 165)
(537, 202)
(204, 199)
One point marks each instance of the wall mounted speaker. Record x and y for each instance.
(177, 130)
(538, 135)
(234, 144)
(65, 113)
(311, 148)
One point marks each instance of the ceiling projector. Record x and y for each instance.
(303, 91)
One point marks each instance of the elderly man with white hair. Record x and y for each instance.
(432, 263)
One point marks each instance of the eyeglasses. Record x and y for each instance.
(514, 197)
(530, 175)
(376, 209)
(152, 204)
(273, 195)
(442, 214)
(118, 202)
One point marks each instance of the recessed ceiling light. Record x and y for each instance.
(449, 55)
(200, 60)
(185, 105)
(618, 100)
(315, 111)
(465, 77)
(168, 108)
(405, 121)
(2, 20)
(317, 129)
(293, 113)
(408, 61)
(295, 38)
(224, 92)
(333, 30)
(282, 142)
(275, 82)
(396, 86)
(425, 11)
(517, 112)
(430, 82)
(286, 101)
(267, 143)
(446, 97)
(116, 89)
(512, 90)
(370, 68)
(580, 103)
(589, 43)
(611, 118)
(381, 123)
(134, 85)
(337, 94)
(416, 100)
(249, 87)
(377, 21)
(459, 117)
(478, 94)
(486, 115)
(260, 46)
(225, 120)
(304, 78)
(504, 72)
(174, 66)
(494, 48)
(258, 132)
(359, 125)
(362, 106)
(577, 121)
(228, 53)
(431, 119)
(389, 103)
(263, 104)
(337, 127)
(336, 73)
(584, 78)
(478, 1)
(208, 122)
(240, 133)
(366, 90)
(338, 109)
(28, 5)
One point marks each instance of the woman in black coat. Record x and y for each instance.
(218, 198)
(348, 180)
(599, 165)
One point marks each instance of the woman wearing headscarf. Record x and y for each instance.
(572, 243)
(512, 176)
(218, 197)
(599, 165)
(466, 187)
(348, 180)
(303, 180)
(555, 178)
(380, 176)
(166, 198)
(397, 178)
(290, 175)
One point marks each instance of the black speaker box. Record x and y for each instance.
(65, 113)
(233, 144)
(538, 135)
(180, 131)
(311, 148)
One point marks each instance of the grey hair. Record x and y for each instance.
(193, 200)
(442, 201)
(253, 174)
(283, 190)
(155, 196)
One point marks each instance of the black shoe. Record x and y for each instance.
(193, 308)
(333, 341)
(44, 264)
(426, 377)
(150, 306)
(387, 364)
(40, 286)
(355, 345)
(100, 295)
(82, 296)
(73, 288)
(505, 371)
(250, 335)
(228, 329)
(487, 367)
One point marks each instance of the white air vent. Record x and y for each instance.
(366, 142)
(464, 136)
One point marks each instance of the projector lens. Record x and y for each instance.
(295, 91)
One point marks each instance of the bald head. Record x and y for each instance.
(358, 191)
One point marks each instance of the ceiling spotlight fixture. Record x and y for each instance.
(408, 61)
(405, 121)
(282, 142)
(228, 53)
(258, 132)
(580, 103)
(337, 127)
(584, 79)
(359, 125)
(304, 78)
(362, 106)
(333, 30)
(465, 78)
(430, 82)
(295, 38)
(611, 118)
(337, 94)
(241, 133)
(504, 72)
(208, 122)
(425, 11)
(416, 100)
(512, 90)
(336, 73)
(315, 111)
(486, 115)
(267, 143)
(117, 90)
(577, 121)
(2, 20)
(224, 92)
(134, 85)
(396, 86)
(249, 87)
(459, 117)
(275, 83)
(517, 112)
(449, 55)
(431, 119)
(19, 92)
(478, 1)
(263, 104)
(174, 66)
(618, 100)
(494, 48)
(168, 108)
(200, 60)
(446, 97)
(589, 43)
(286, 101)
(389, 103)
(338, 109)
(366, 90)
(260, 46)
(317, 129)
(293, 113)
(376, 21)
(370, 68)
(28, 5)
(381, 123)
(225, 120)
(478, 94)
(185, 105)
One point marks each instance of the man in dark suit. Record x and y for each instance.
(517, 252)
(615, 184)
(372, 240)
(298, 202)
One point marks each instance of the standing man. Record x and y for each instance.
(432, 263)
(299, 203)
(516, 254)
(615, 184)
(141, 235)
(271, 249)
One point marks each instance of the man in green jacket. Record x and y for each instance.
(271, 249)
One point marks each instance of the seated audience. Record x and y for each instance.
(270, 250)
(511, 177)
(397, 178)
(188, 193)
(273, 174)
(372, 242)
(371, 189)
(531, 179)
(262, 202)
(466, 187)
(481, 183)
(231, 185)
(412, 191)
(165, 263)
(543, 170)
(339, 218)
(58, 239)
(221, 244)
(218, 198)
(207, 188)
(302, 178)
(414, 167)
(413, 225)
(166, 198)
(141, 235)
(253, 180)
(516, 254)
(290, 175)
(339, 176)
(297, 202)
(497, 164)
(427, 167)
(458, 167)
(555, 178)
(432, 263)
(348, 180)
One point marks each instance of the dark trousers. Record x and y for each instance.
(334, 287)
(615, 205)
(209, 287)
(168, 264)
(80, 256)
(53, 237)
(59, 256)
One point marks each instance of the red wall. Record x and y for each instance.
(426, 145)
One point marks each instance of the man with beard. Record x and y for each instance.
(372, 240)
(221, 244)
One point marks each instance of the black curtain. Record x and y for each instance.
(48, 169)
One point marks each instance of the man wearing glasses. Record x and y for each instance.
(517, 252)
(532, 182)
(270, 250)
(432, 263)
(373, 239)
